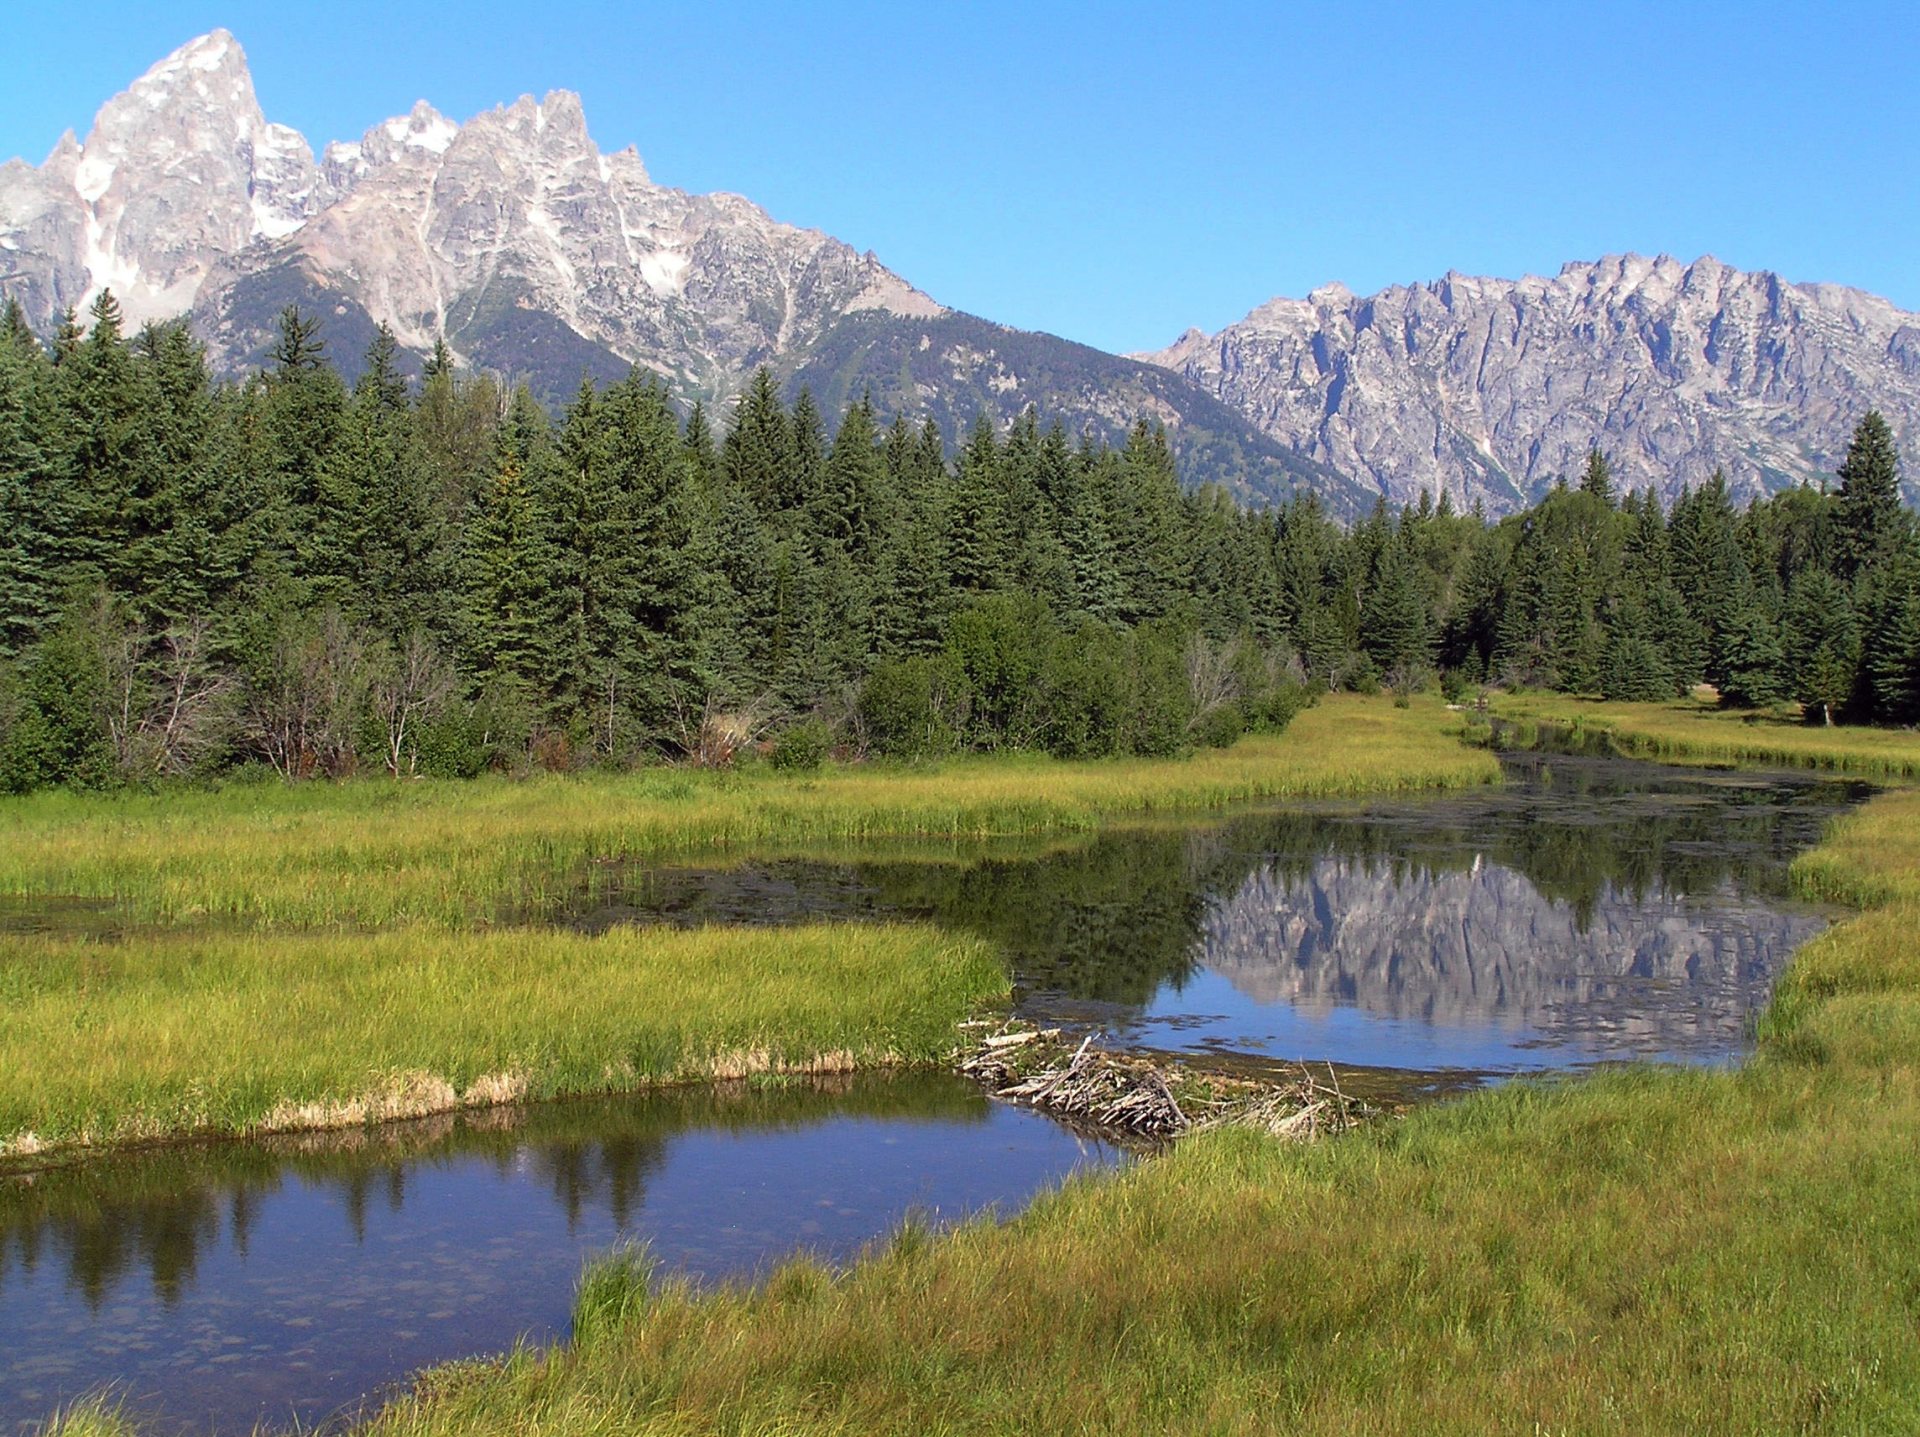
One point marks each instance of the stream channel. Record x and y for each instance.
(1591, 910)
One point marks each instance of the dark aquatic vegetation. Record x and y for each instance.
(218, 1285)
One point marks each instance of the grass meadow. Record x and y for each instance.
(1692, 730)
(1640, 1250)
(375, 853)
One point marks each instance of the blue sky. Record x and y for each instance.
(1116, 173)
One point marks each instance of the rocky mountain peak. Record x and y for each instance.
(1492, 389)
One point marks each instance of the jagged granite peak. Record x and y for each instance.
(529, 251)
(179, 171)
(1491, 389)
(185, 198)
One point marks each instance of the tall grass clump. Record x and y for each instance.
(247, 1032)
(611, 1293)
(1688, 729)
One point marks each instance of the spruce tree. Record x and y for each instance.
(978, 540)
(1634, 669)
(1394, 624)
(1750, 656)
(1597, 479)
(1869, 523)
(1821, 643)
(33, 514)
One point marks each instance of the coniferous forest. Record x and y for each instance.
(440, 577)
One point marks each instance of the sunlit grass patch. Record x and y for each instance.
(380, 854)
(1689, 728)
(181, 1033)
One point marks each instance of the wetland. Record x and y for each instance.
(1588, 912)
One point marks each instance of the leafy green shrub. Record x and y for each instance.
(914, 708)
(1220, 727)
(802, 746)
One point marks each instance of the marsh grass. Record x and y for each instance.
(273, 958)
(94, 1417)
(612, 1293)
(377, 854)
(1691, 729)
(1640, 1250)
(197, 1033)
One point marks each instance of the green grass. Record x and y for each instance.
(1645, 1250)
(381, 854)
(324, 955)
(179, 1034)
(1693, 729)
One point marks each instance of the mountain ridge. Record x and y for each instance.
(1492, 389)
(529, 251)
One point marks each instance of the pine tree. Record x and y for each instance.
(506, 580)
(1821, 643)
(1634, 669)
(1148, 522)
(305, 402)
(1892, 659)
(1751, 658)
(978, 539)
(1869, 523)
(757, 450)
(1597, 479)
(379, 545)
(33, 513)
(1394, 624)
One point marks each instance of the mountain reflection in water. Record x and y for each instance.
(1589, 910)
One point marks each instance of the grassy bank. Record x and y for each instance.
(264, 958)
(180, 1034)
(1691, 729)
(1643, 1250)
(376, 853)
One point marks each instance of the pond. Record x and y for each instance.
(220, 1285)
(1590, 910)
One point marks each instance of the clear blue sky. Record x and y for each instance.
(1116, 173)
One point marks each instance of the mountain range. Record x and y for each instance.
(530, 252)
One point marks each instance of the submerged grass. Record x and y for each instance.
(183, 1033)
(1641, 1250)
(1693, 729)
(380, 854)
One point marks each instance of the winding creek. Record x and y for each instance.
(1592, 910)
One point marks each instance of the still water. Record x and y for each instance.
(219, 1285)
(1590, 910)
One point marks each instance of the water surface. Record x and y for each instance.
(1590, 910)
(216, 1286)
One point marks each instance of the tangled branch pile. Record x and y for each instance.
(1149, 1096)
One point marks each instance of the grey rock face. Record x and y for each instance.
(1491, 389)
(533, 254)
(183, 198)
(178, 172)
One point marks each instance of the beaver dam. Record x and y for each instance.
(1149, 1095)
